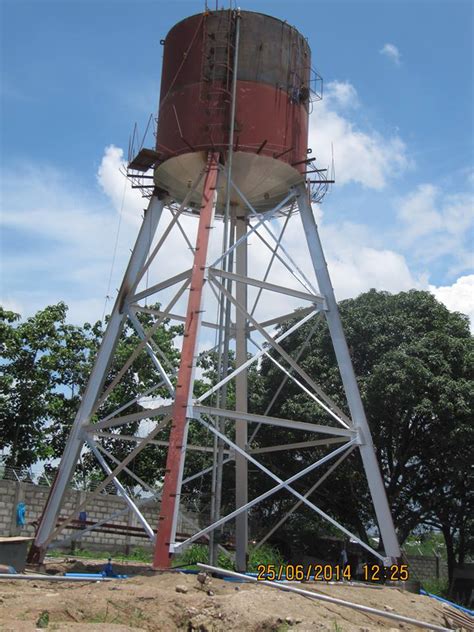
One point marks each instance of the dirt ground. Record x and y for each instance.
(175, 601)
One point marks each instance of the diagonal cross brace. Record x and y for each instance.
(286, 484)
(340, 416)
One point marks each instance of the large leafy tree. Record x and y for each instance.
(45, 366)
(413, 361)
(43, 361)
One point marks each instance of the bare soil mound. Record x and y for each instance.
(163, 602)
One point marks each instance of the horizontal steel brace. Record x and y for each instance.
(264, 285)
(273, 421)
(160, 286)
(295, 446)
(299, 313)
(172, 316)
(110, 435)
(119, 421)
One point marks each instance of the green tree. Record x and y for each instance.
(413, 361)
(39, 364)
(45, 366)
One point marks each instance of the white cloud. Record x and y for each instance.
(343, 93)
(418, 212)
(116, 186)
(392, 52)
(435, 224)
(61, 242)
(364, 157)
(458, 297)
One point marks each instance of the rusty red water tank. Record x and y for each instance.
(272, 103)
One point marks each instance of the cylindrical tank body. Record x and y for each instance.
(272, 100)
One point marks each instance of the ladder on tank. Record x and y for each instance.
(217, 62)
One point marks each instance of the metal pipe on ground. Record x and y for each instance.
(334, 600)
(55, 578)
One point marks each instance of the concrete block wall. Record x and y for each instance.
(424, 567)
(101, 507)
(98, 508)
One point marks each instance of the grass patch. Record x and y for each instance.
(200, 553)
(137, 555)
(436, 587)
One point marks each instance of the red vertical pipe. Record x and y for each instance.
(175, 458)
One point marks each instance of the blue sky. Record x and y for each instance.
(77, 74)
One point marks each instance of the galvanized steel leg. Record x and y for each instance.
(96, 381)
(371, 466)
(241, 400)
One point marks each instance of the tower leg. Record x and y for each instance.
(241, 401)
(184, 387)
(96, 381)
(371, 466)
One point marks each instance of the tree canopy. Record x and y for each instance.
(413, 361)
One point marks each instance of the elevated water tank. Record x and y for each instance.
(272, 104)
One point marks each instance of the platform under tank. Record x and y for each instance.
(272, 106)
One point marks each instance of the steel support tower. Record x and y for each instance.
(226, 280)
(347, 433)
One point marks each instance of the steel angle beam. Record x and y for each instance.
(278, 320)
(351, 388)
(185, 381)
(149, 347)
(264, 285)
(172, 316)
(119, 437)
(120, 421)
(297, 446)
(198, 410)
(75, 442)
(160, 286)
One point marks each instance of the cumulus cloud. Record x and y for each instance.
(60, 242)
(366, 157)
(435, 224)
(458, 297)
(392, 52)
(126, 201)
(342, 93)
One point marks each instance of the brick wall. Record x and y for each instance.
(98, 508)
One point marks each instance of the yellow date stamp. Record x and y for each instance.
(374, 573)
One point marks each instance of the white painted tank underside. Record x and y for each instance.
(264, 181)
